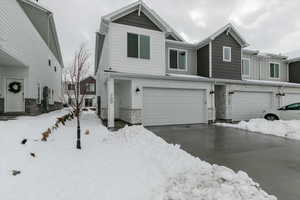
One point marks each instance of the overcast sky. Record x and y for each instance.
(267, 25)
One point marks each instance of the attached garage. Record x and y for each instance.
(174, 106)
(248, 105)
(290, 98)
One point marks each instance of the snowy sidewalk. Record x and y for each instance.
(286, 129)
(131, 164)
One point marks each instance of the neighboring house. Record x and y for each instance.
(147, 74)
(30, 59)
(87, 88)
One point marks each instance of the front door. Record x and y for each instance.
(15, 95)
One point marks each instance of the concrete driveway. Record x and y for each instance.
(271, 161)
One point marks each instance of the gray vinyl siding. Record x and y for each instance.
(226, 70)
(133, 19)
(294, 72)
(191, 60)
(260, 67)
(203, 61)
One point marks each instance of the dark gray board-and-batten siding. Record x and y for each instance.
(294, 71)
(134, 19)
(220, 68)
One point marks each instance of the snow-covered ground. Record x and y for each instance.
(286, 129)
(131, 164)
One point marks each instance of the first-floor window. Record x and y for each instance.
(138, 46)
(246, 67)
(274, 70)
(177, 59)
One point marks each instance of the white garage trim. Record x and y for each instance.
(247, 105)
(165, 106)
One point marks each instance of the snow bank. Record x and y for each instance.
(130, 164)
(286, 129)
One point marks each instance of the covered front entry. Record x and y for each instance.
(164, 106)
(14, 101)
(12, 84)
(248, 105)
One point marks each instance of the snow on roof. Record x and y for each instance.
(297, 59)
(274, 82)
(187, 76)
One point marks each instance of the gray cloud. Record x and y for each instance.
(268, 25)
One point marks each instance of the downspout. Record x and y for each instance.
(259, 68)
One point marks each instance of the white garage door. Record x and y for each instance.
(173, 106)
(249, 105)
(291, 98)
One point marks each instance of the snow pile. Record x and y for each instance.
(286, 129)
(214, 182)
(130, 164)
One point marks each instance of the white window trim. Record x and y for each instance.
(225, 60)
(139, 47)
(243, 75)
(186, 54)
(274, 78)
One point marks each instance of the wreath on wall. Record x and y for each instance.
(15, 87)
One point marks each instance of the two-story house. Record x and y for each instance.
(30, 59)
(147, 74)
(87, 91)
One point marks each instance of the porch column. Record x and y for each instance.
(110, 103)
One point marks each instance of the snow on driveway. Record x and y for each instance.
(286, 129)
(131, 164)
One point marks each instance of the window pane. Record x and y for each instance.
(272, 72)
(293, 107)
(132, 45)
(276, 70)
(173, 59)
(182, 60)
(144, 47)
(226, 53)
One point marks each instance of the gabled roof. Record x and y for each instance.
(43, 21)
(230, 29)
(151, 14)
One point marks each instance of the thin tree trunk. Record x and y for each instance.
(78, 144)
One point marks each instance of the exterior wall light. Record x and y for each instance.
(137, 90)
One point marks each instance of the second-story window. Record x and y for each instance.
(138, 46)
(227, 54)
(90, 87)
(177, 59)
(246, 67)
(274, 70)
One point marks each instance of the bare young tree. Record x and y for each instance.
(77, 72)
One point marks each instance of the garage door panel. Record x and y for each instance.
(291, 98)
(249, 105)
(173, 106)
